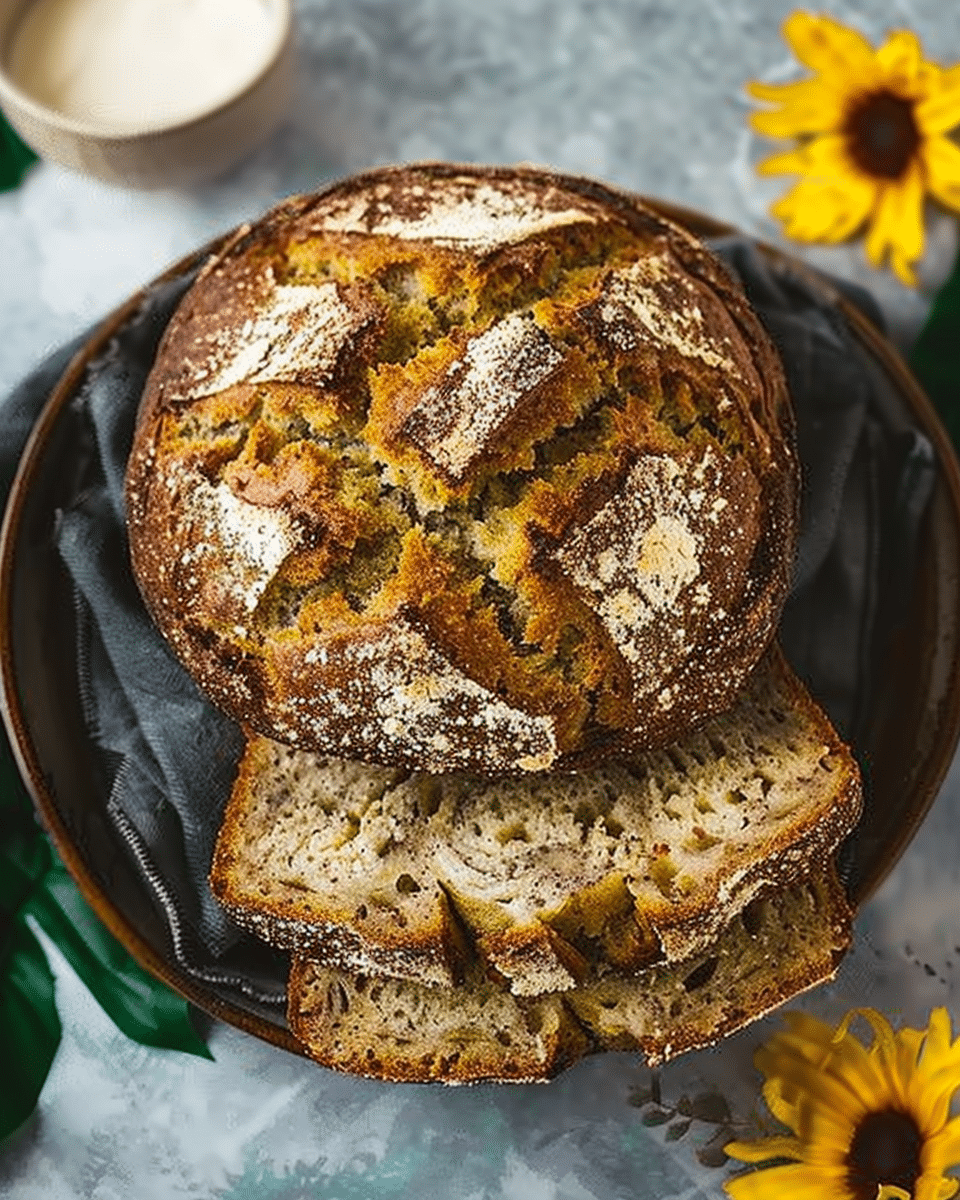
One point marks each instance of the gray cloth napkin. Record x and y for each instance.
(173, 755)
(169, 756)
(867, 475)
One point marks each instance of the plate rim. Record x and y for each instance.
(28, 761)
(21, 743)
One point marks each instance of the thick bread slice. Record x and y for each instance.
(298, 864)
(403, 1031)
(549, 877)
(407, 1032)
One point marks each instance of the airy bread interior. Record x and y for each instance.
(550, 879)
(479, 1031)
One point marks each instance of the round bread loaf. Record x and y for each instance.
(470, 468)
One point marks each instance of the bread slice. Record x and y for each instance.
(407, 1032)
(479, 1031)
(548, 879)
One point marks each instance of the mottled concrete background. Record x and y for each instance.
(647, 94)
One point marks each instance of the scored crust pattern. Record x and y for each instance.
(465, 468)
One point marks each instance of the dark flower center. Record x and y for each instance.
(885, 1149)
(882, 135)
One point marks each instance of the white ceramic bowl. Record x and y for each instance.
(157, 153)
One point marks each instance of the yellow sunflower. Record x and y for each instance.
(870, 127)
(869, 1123)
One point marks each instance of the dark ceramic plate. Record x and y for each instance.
(912, 730)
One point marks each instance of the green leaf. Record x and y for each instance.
(15, 803)
(25, 855)
(639, 1096)
(935, 357)
(712, 1154)
(34, 881)
(29, 1025)
(709, 1106)
(15, 157)
(677, 1130)
(140, 1005)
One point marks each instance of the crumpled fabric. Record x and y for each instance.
(867, 475)
(169, 757)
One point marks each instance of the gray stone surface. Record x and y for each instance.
(644, 93)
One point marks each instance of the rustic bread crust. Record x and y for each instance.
(549, 881)
(479, 1032)
(465, 468)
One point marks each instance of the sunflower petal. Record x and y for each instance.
(788, 162)
(808, 106)
(940, 1039)
(843, 1054)
(781, 1107)
(900, 58)
(940, 111)
(882, 1029)
(930, 1109)
(808, 1081)
(822, 158)
(933, 1186)
(941, 161)
(825, 1134)
(929, 1094)
(834, 51)
(897, 227)
(797, 1181)
(814, 211)
(764, 1150)
(902, 266)
(939, 1044)
(797, 91)
(845, 1059)
(908, 1045)
(811, 1028)
(822, 1080)
(943, 1149)
(815, 1051)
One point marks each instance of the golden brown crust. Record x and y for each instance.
(465, 468)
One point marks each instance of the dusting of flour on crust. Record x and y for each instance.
(245, 543)
(455, 421)
(393, 690)
(636, 555)
(480, 217)
(297, 332)
(643, 292)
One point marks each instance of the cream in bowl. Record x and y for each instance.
(146, 93)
